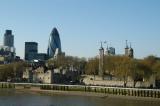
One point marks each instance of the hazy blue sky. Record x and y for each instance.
(82, 24)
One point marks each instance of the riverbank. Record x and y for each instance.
(84, 90)
(89, 94)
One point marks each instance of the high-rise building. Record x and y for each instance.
(110, 51)
(8, 38)
(31, 50)
(54, 43)
(7, 50)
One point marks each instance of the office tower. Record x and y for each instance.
(8, 38)
(31, 50)
(110, 51)
(54, 43)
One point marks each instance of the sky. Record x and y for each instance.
(83, 24)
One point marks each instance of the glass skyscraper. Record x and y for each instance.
(31, 50)
(54, 43)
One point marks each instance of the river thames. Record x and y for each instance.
(10, 97)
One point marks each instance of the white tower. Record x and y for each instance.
(101, 61)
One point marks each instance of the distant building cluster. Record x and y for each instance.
(8, 54)
(110, 51)
(7, 50)
(31, 52)
(54, 48)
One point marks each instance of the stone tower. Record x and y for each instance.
(126, 49)
(101, 61)
(131, 52)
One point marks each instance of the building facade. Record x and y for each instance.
(41, 56)
(39, 75)
(110, 51)
(31, 50)
(129, 50)
(7, 50)
(7, 54)
(43, 76)
(8, 38)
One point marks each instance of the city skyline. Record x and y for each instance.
(83, 24)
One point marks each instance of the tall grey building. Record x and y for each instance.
(54, 43)
(8, 38)
(110, 51)
(31, 50)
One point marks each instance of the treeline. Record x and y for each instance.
(12, 71)
(120, 67)
(68, 62)
(123, 67)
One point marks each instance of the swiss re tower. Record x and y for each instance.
(54, 43)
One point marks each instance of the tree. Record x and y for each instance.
(12, 70)
(150, 63)
(109, 64)
(123, 68)
(66, 62)
(92, 66)
(156, 69)
(138, 71)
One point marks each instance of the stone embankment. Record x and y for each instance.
(137, 92)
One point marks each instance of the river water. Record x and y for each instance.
(16, 98)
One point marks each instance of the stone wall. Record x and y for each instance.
(91, 80)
